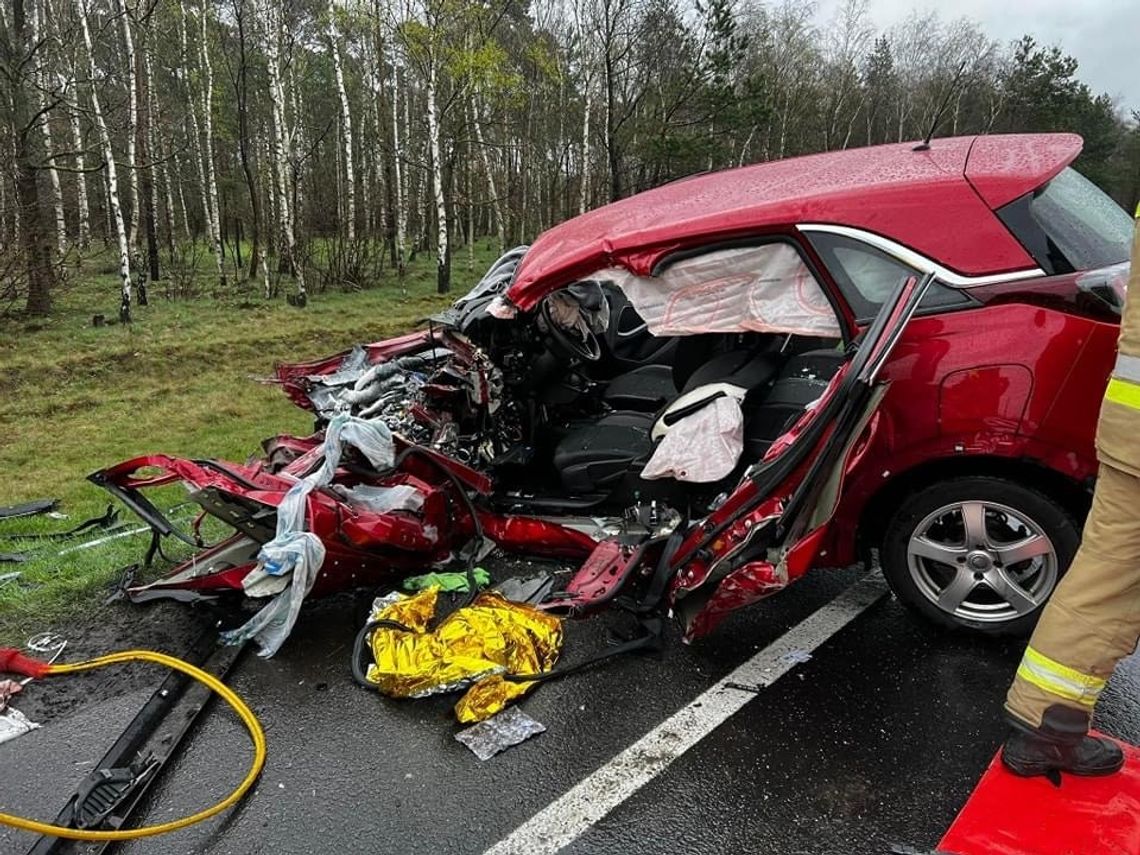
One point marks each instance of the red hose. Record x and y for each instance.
(12, 661)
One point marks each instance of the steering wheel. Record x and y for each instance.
(581, 344)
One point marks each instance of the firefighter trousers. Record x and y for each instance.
(1093, 619)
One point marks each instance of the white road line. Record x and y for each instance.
(568, 817)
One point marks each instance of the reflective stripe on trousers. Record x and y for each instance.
(1124, 387)
(1058, 679)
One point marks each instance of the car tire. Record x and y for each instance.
(978, 553)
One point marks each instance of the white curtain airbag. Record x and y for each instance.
(765, 288)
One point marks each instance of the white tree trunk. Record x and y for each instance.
(176, 171)
(267, 186)
(297, 145)
(45, 129)
(168, 198)
(442, 267)
(399, 196)
(112, 175)
(194, 135)
(56, 190)
(280, 138)
(488, 166)
(83, 208)
(584, 189)
(346, 130)
(380, 179)
(132, 123)
(215, 222)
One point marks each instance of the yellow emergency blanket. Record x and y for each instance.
(472, 647)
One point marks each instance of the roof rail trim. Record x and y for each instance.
(919, 261)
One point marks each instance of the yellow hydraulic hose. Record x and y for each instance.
(257, 734)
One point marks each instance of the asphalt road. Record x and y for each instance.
(874, 742)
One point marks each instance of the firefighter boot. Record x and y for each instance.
(1061, 744)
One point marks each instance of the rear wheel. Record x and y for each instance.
(979, 553)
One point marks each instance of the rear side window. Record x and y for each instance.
(1070, 224)
(867, 276)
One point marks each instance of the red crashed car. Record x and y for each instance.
(701, 392)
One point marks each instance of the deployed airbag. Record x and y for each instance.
(766, 288)
(703, 446)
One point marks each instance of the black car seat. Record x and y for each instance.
(608, 454)
(595, 457)
(802, 380)
(650, 387)
(645, 389)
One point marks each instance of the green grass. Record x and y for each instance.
(180, 379)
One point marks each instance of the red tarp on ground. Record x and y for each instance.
(1007, 815)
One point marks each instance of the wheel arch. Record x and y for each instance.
(1073, 495)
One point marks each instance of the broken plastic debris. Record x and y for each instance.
(500, 732)
(795, 657)
(449, 583)
(14, 723)
(532, 589)
(7, 689)
(47, 642)
(28, 509)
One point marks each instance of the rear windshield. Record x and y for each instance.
(1070, 224)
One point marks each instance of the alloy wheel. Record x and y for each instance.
(982, 561)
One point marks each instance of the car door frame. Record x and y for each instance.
(758, 539)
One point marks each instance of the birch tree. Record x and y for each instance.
(281, 141)
(489, 171)
(239, 72)
(124, 15)
(213, 214)
(18, 55)
(115, 208)
(423, 44)
(398, 192)
(145, 151)
(47, 83)
(82, 206)
(346, 127)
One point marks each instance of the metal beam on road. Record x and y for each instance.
(155, 734)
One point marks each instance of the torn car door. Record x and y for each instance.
(768, 532)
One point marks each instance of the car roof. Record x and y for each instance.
(937, 201)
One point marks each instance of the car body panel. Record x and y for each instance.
(918, 198)
(998, 169)
(778, 522)
(1055, 377)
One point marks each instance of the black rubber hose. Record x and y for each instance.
(358, 671)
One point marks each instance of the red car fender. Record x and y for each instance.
(877, 472)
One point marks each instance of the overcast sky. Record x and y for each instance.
(1103, 35)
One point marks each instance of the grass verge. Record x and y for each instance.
(181, 379)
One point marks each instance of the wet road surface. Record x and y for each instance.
(876, 741)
